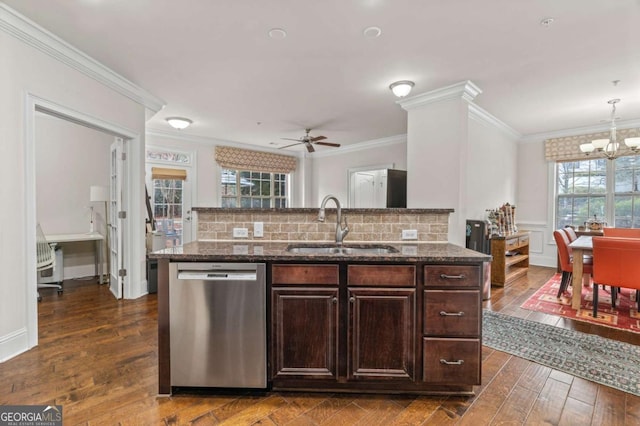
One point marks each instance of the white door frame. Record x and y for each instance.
(134, 241)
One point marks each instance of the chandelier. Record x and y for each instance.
(610, 148)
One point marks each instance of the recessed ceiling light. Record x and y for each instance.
(372, 32)
(277, 33)
(546, 22)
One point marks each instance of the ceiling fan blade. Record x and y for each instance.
(310, 147)
(289, 139)
(317, 138)
(335, 145)
(287, 146)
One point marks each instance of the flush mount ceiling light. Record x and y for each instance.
(277, 33)
(372, 32)
(179, 122)
(401, 88)
(610, 148)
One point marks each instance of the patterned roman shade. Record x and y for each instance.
(245, 159)
(568, 148)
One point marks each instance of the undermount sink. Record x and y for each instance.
(344, 250)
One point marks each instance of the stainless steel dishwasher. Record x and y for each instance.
(217, 317)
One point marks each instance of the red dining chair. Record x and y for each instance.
(621, 232)
(616, 262)
(571, 233)
(566, 260)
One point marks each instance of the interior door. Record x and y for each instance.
(364, 194)
(116, 218)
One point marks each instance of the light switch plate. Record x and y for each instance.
(258, 229)
(409, 234)
(240, 232)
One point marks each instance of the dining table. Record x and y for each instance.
(580, 246)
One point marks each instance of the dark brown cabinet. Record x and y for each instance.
(381, 331)
(304, 312)
(452, 324)
(381, 334)
(371, 327)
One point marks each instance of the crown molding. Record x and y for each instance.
(203, 140)
(30, 33)
(374, 143)
(465, 90)
(483, 116)
(576, 131)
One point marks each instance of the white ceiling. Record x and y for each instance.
(213, 61)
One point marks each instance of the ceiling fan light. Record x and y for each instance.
(587, 148)
(401, 88)
(179, 123)
(599, 144)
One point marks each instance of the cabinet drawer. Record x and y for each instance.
(523, 241)
(512, 244)
(451, 361)
(382, 275)
(452, 275)
(305, 274)
(452, 312)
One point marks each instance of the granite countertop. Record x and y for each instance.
(251, 251)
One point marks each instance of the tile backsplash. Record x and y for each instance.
(301, 224)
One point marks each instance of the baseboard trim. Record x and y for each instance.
(13, 344)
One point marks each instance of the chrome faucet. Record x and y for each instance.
(340, 231)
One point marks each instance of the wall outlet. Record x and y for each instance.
(258, 229)
(240, 232)
(409, 234)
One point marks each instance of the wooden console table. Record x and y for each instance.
(510, 257)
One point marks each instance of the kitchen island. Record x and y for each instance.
(403, 322)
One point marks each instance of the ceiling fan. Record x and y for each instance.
(308, 141)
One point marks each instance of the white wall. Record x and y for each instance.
(28, 70)
(492, 170)
(535, 195)
(69, 159)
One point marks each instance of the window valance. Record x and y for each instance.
(568, 148)
(246, 159)
(167, 173)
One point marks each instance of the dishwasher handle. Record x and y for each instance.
(218, 275)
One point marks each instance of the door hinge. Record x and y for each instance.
(122, 214)
(124, 156)
(122, 272)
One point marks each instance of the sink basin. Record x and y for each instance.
(344, 250)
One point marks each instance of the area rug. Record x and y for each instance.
(605, 361)
(624, 317)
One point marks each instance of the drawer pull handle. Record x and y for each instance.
(352, 299)
(451, 314)
(334, 300)
(452, 277)
(458, 362)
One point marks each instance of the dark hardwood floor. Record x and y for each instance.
(97, 357)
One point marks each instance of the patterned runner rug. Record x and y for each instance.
(624, 317)
(605, 361)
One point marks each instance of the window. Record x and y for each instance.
(249, 189)
(626, 194)
(600, 187)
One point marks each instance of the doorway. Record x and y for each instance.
(133, 240)
(169, 180)
(366, 186)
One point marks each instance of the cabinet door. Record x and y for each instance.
(381, 337)
(304, 333)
